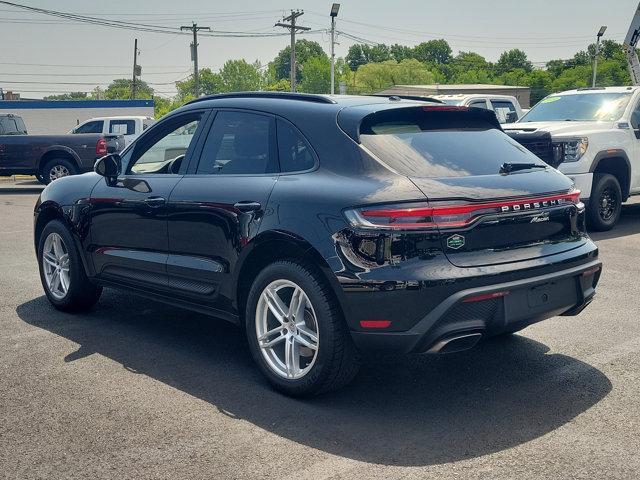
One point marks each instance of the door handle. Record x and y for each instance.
(248, 206)
(155, 202)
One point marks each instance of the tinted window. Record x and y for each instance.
(165, 151)
(293, 150)
(90, 127)
(239, 143)
(601, 107)
(441, 144)
(479, 104)
(122, 127)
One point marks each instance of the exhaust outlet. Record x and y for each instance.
(456, 343)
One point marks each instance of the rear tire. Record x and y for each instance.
(57, 168)
(333, 363)
(605, 203)
(61, 271)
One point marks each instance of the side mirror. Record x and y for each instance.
(108, 166)
(512, 117)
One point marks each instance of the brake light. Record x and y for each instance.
(444, 108)
(423, 215)
(101, 147)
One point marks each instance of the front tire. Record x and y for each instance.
(63, 277)
(296, 331)
(605, 203)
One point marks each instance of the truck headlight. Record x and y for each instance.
(570, 149)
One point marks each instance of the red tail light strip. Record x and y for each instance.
(375, 323)
(450, 216)
(486, 296)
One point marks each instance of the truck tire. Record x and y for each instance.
(57, 168)
(605, 202)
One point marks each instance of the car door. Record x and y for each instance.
(634, 151)
(217, 207)
(129, 216)
(505, 111)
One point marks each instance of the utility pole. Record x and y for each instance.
(293, 29)
(595, 57)
(194, 55)
(135, 70)
(334, 13)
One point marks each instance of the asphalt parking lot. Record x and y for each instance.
(136, 389)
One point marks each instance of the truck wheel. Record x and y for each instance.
(57, 168)
(605, 203)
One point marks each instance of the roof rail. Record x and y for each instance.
(408, 97)
(306, 97)
(590, 88)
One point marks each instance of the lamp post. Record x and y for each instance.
(334, 13)
(595, 58)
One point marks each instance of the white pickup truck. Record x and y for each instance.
(591, 135)
(506, 108)
(130, 127)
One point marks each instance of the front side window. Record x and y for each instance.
(122, 127)
(294, 152)
(584, 107)
(239, 143)
(90, 127)
(164, 152)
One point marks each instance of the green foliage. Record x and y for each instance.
(210, 83)
(374, 77)
(120, 89)
(434, 51)
(240, 76)
(305, 49)
(513, 59)
(68, 96)
(316, 75)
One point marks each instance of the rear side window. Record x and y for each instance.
(240, 143)
(421, 143)
(90, 127)
(294, 151)
(122, 127)
(479, 104)
(504, 110)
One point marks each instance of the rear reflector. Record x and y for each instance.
(486, 296)
(591, 271)
(375, 323)
(450, 215)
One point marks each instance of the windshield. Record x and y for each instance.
(589, 107)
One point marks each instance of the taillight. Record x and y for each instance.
(423, 215)
(101, 147)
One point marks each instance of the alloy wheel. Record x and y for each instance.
(287, 329)
(608, 204)
(58, 171)
(55, 265)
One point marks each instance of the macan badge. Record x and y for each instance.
(455, 241)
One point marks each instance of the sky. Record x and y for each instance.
(40, 54)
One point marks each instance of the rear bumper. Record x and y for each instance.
(470, 314)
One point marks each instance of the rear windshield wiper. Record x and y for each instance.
(512, 167)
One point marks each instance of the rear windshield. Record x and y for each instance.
(441, 143)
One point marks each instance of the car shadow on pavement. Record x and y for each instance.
(414, 410)
(629, 224)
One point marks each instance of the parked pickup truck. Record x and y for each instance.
(50, 157)
(506, 108)
(130, 127)
(591, 135)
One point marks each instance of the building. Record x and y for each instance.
(51, 117)
(522, 94)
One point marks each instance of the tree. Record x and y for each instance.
(68, 96)
(210, 83)
(120, 89)
(513, 59)
(305, 49)
(361, 54)
(316, 75)
(373, 77)
(437, 52)
(400, 52)
(239, 76)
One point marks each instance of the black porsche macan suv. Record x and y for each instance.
(326, 226)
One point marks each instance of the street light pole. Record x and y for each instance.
(595, 57)
(334, 13)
